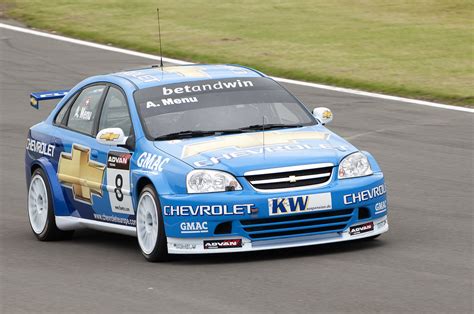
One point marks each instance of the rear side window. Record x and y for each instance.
(60, 117)
(115, 112)
(85, 109)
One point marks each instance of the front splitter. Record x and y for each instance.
(196, 245)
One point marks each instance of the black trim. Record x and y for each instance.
(95, 126)
(128, 108)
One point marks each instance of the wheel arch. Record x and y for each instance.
(34, 167)
(59, 204)
(141, 183)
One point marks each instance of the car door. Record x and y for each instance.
(116, 205)
(80, 169)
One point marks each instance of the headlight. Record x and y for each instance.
(354, 165)
(207, 181)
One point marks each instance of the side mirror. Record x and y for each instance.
(323, 114)
(111, 136)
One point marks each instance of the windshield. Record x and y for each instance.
(201, 108)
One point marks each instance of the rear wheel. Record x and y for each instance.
(40, 209)
(150, 228)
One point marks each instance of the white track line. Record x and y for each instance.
(283, 80)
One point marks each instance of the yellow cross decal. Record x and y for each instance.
(250, 140)
(187, 71)
(84, 176)
(327, 114)
(33, 101)
(109, 136)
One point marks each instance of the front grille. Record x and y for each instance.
(301, 224)
(290, 177)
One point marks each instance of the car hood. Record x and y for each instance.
(239, 153)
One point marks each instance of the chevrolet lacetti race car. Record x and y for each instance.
(197, 159)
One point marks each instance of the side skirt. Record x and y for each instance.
(73, 223)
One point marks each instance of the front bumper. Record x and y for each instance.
(248, 217)
(196, 245)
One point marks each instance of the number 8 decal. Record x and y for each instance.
(118, 187)
(118, 182)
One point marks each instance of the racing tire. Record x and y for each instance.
(41, 211)
(150, 227)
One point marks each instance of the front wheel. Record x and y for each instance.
(150, 228)
(40, 210)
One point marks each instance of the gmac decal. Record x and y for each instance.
(152, 162)
(194, 227)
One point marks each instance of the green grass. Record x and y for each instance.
(420, 49)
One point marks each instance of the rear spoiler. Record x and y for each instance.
(35, 98)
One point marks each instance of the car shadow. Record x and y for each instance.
(122, 242)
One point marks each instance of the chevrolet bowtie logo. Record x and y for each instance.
(187, 71)
(84, 176)
(327, 114)
(250, 140)
(109, 136)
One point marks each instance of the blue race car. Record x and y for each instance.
(197, 159)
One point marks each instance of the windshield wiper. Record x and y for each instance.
(270, 126)
(196, 133)
(200, 133)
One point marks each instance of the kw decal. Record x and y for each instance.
(79, 173)
(299, 204)
(250, 140)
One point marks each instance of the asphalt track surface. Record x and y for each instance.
(423, 264)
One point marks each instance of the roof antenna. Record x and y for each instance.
(159, 36)
(263, 136)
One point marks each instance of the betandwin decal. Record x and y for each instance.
(118, 180)
(189, 93)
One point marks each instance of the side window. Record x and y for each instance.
(85, 109)
(115, 112)
(62, 113)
